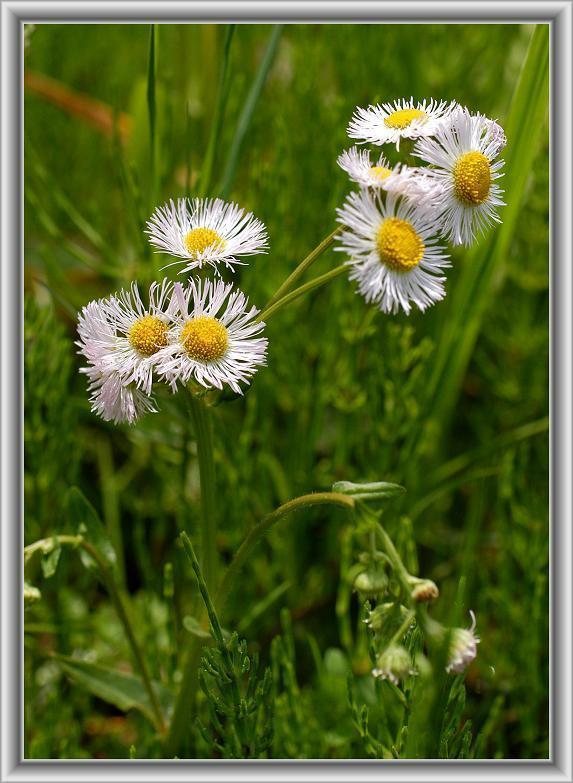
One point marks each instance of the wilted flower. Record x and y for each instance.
(464, 161)
(206, 231)
(394, 255)
(403, 119)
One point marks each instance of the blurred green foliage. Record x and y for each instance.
(342, 397)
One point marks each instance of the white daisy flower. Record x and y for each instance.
(463, 156)
(121, 334)
(400, 180)
(206, 231)
(403, 119)
(214, 340)
(393, 252)
(463, 648)
(114, 401)
(357, 164)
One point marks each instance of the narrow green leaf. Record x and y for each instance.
(124, 691)
(248, 111)
(152, 107)
(524, 126)
(222, 94)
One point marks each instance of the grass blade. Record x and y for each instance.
(248, 111)
(222, 93)
(473, 292)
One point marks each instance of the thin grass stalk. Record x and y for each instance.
(248, 111)
(222, 94)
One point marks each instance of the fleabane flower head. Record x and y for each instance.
(206, 231)
(215, 339)
(393, 252)
(464, 161)
(399, 179)
(124, 335)
(114, 401)
(463, 648)
(389, 123)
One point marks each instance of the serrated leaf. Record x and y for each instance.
(124, 691)
(84, 519)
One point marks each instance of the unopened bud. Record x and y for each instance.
(394, 664)
(371, 583)
(424, 590)
(378, 490)
(463, 648)
(31, 594)
(386, 617)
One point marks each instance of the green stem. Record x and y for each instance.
(204, 437)
(120, 607)
(400, 569)
(303, 266)
(304, 289)
(403, 628)
(253, 538)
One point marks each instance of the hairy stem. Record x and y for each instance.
(304, 289)
(202, 425)
(253, 538)
(303, 266)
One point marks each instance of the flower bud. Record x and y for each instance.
(31, 594)
(394, 664)
(371, 583)
(463, 648)
(378, 490)
(423, 590)
(385, 617)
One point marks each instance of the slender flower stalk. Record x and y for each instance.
(305, 264)
(303, 289)
(203, 427)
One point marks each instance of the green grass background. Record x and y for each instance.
(452, 404)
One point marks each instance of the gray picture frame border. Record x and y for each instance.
(558, 15)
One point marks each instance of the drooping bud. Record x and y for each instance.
(31, 594)
(394, 664)
(423, 590)
(385, 617)
(371, 583)
(463, 648)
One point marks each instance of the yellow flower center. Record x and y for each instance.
(199, 239)
(403, 117)
(204, 338)
(398, 245)
(380, 172)
(472, 178)
(148, 334)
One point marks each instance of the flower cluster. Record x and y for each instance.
(203, 331)
(395, 225)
